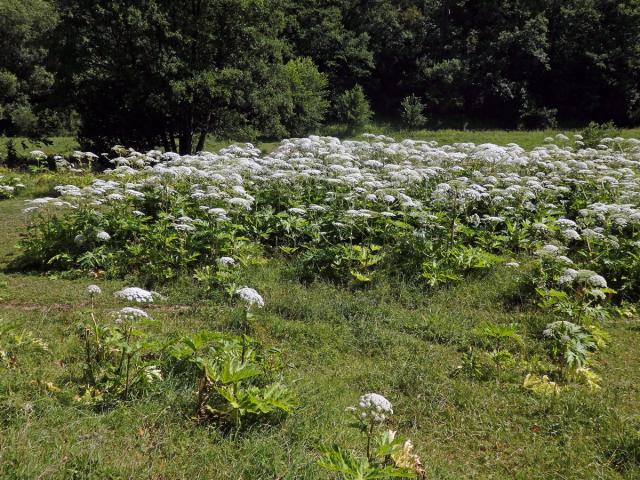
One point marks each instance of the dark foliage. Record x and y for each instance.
(167, 73)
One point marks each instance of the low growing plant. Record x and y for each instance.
(14, 342)
(230, 376)
(570, 345)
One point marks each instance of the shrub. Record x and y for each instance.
(538, 117)
(412, 112)
(595, 132)
(12, 159)
(308, 90)
(352, 108)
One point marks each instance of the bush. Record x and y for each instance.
(12, 159)
(538, 117)
(308, 90)
(352, 108)
(595, 132)
(412, 112)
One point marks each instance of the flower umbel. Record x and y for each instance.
(135, 294)
(93, 290)
(373, 407)
(250, 297)
(131, 313)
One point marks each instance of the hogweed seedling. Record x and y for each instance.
(93, 291)
(589, 378)
(569, 344)
(500, 336)
(474, 366)
(541, 385)
(12, 343)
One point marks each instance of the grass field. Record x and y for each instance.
(526, 139)
(336, 344)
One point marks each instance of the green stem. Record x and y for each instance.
(126, 382)
(245, 330)
(87, 346)
(369, 435)
(201, 393)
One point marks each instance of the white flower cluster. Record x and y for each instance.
(38, 155)
(586, 278)
(548, 251)
(6, 190)
(9, 186)
(597, 281)
(135, 294)
(561, 330)
(103, 236)
(131, 313)
(250, 297)
(43, 202)
(228, 261)
(152, 373)
(372, 407)
(93, 290)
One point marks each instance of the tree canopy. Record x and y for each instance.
(169, 72)
(26, 78)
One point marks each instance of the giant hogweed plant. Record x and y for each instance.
(571, 347)
(227, 274)
(230, 375)
(121, 359)
(384, 454)
(318, 197)
(578, 294)
(10, 185)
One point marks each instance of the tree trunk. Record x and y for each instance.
(203, 133)
(186, 141)
(165, 142)
(201, 140)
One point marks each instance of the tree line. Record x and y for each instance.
(170, 72)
